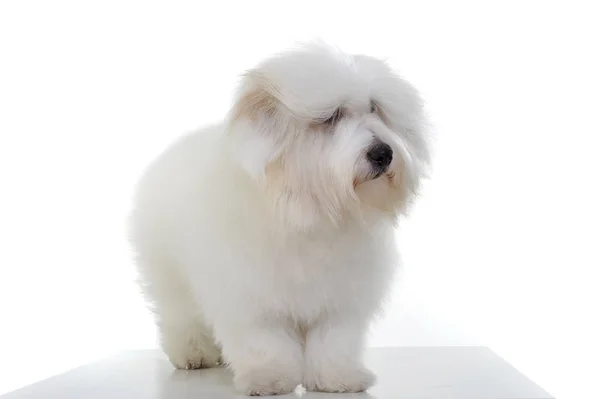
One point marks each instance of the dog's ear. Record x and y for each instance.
(254, 101)
(255, 125)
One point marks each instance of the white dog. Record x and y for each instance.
(266, 242)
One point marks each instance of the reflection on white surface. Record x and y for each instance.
(402, 373)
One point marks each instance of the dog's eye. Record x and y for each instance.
(334, 118)
(373, 107)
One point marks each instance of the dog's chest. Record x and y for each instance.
(308, 277)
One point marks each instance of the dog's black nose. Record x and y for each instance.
(380, 155)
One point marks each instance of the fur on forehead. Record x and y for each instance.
(313, 80)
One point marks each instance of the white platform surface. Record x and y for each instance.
(403, 373)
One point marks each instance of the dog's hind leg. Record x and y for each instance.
(184, 336)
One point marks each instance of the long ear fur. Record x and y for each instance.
(256, 122)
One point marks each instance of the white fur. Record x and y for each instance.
(266, 241)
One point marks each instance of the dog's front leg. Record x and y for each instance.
(334, 356)
(266, 356)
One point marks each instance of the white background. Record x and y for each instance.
(502, 250)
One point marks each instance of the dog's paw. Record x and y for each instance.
(267, 382)
(195, 360)
(341, 380)
(194, 364)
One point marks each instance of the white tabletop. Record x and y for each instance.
(411, 372)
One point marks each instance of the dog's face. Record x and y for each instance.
(329, 135)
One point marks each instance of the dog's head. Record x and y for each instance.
(330, 135)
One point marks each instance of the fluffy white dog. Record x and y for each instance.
(266, 242)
